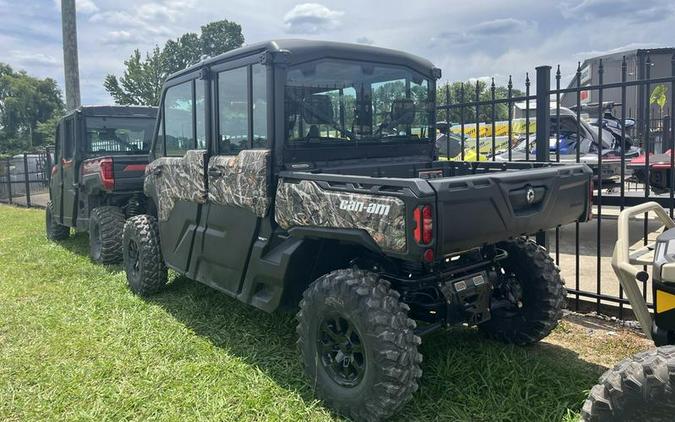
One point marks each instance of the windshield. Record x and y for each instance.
(119, 134)
(331, 102)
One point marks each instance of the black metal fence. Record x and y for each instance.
(24, 179)
(631, 165)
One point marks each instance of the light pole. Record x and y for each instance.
(70, 62)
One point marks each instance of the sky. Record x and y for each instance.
(468, 40)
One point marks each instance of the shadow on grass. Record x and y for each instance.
(466, 377)
(78, 243)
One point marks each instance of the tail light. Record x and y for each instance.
(104, 168)
(423, 232)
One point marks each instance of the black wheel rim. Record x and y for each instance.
(341, 351)
(133, 258)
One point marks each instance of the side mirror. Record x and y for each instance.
(317, 109)
(403, 111)
(628, 123)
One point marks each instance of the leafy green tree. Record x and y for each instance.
(142, 80)
(465, 92)
(220, 36)
(27, 104)
(659, 96)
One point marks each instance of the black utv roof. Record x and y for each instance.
(112, 111)
(299, 51)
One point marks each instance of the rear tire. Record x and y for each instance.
(55, 231)
(105, 234)
(358, 346)
(143, 260)
(640, 388)
(528, 304)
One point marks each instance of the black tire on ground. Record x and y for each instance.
(640, 388)
(105, 234)
(55, 231)
(142, 253)
(539, 294)
(357, 344)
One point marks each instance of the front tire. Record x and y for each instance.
(54, 230)
(358, 346)
(640, 388)
(142, 253)
(105, 234)
(529, 298)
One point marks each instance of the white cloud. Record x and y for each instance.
(312, 18)
(86, 6)
(502, 27)
(365, 40)
(121, 38)
(30, 59)
(82, 6)
(641, 10)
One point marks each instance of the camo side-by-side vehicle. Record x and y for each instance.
(97, 178)
(299, 174)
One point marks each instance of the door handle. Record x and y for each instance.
(215, 173)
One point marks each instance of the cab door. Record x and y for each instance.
(176, 179)
(238, 175)
(69, 172)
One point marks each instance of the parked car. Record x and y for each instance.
(316, 190)
(97, 177)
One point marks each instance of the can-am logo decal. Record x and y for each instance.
(371, 208)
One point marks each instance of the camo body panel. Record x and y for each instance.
(181, 178)
(307, 204)
(244, 180)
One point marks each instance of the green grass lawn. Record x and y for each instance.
(76, 344)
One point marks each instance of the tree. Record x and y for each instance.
(659, 96)
(29, 106)
(142, 80)
(465, 92)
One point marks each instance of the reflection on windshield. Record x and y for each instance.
(332, 101)
(119, 134)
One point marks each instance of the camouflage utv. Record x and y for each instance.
(300, 175)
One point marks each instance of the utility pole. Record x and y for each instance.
(70, 63)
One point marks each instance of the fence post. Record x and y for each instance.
(26, 178)
(543, 123)
(9, 180)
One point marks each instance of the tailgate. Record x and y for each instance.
(129, 171)
(486, 208)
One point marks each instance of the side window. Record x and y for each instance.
(232, 111)
(200, 110)
(68, 139)
(178, 123)
(159, 145)
(259, 100)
